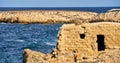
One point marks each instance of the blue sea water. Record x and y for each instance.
(14, 38)
(91, 9)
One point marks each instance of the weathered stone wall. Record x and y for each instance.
(109, 30)
(70, 42)
(79, 44)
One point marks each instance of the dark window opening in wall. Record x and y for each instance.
(82, 36)
(100, 41)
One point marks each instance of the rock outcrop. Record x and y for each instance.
(108, 16)
(77, 17)
(45, 16)
(85, 43)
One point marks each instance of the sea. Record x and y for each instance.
(14, 38)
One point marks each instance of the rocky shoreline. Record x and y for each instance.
(68, 49)
(48, 17)
(82, 44)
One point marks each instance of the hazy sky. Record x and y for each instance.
(59, 3)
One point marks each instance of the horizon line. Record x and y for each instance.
(71, 6)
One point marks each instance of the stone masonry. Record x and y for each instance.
(85, 43)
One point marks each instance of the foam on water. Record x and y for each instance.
(51, 44)
(19, 40)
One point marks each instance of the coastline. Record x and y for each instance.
(54, 16)
(80, 44)
(45, 16)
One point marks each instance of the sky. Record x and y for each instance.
(59, 3)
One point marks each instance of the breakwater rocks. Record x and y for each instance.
(47, 17)
(85, 43)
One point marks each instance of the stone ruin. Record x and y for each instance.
(85, 43)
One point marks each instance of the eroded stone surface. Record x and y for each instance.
(77, 17)
(45, 16)
(108, 16)
(85, 43)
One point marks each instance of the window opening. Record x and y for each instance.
(82, 36)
